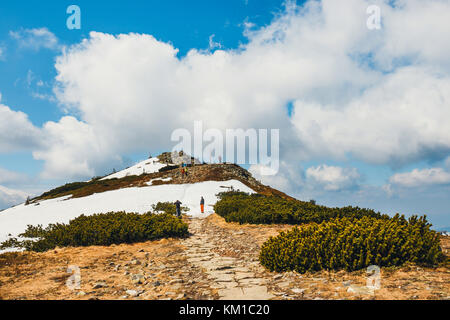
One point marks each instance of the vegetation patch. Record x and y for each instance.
(352, 244)
(83, 189)
(261, 209)
(100, 229)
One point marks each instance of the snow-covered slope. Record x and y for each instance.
(15, 220)
(148, 166)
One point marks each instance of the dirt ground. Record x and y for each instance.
(171, 269)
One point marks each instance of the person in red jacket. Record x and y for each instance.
(202, 204)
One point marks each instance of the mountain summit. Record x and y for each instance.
(134, 189)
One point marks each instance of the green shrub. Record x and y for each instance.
(102, 229)
(352, 244)
(260, 209)
(168, 207)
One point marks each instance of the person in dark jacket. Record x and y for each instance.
(202, 204)
(178, 206)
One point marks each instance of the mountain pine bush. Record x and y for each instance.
(102, 229)
(168, 207)
(260, 209)
(352, 244)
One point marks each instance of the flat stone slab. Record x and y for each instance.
(253, 281)
(241, 276)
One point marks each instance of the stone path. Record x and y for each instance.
(234, 278)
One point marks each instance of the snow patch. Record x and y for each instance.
(61, 210)
(151, 165)
(158, 179)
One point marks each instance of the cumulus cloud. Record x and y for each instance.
(380, 96)
(10, 177)
(71, 149)
(420, 178)
(398, 121)
(411, 30)
(10, 197)
(289, 177)
(16, 131)
(35, 39)
(333, 178)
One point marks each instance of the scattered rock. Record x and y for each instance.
(132, 293)
(100, 284)
(135, 262)
(137, 278)
(181, 296)
(299, 291)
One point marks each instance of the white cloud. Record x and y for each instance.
(16, 131)
(35, 39)
(2, 53)
(71, 149)
(420, 178)
(130, 91)
(289, 177)
(401, 120)
(10, 177)
(333, 178)
(213, 44)
(412, 30)
(10, 197)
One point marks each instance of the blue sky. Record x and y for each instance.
(185, 24)
(386, 162)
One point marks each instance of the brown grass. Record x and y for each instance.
(39, 276)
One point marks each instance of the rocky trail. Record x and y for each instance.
(218, 261)
(233, 275)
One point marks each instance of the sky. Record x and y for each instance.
(363, 112)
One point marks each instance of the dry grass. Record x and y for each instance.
(407, 282)
(36, 276)
(39, 276)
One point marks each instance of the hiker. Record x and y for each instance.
(177, 204)
(202, 204)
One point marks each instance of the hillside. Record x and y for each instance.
(219, 261)
(133, 189)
